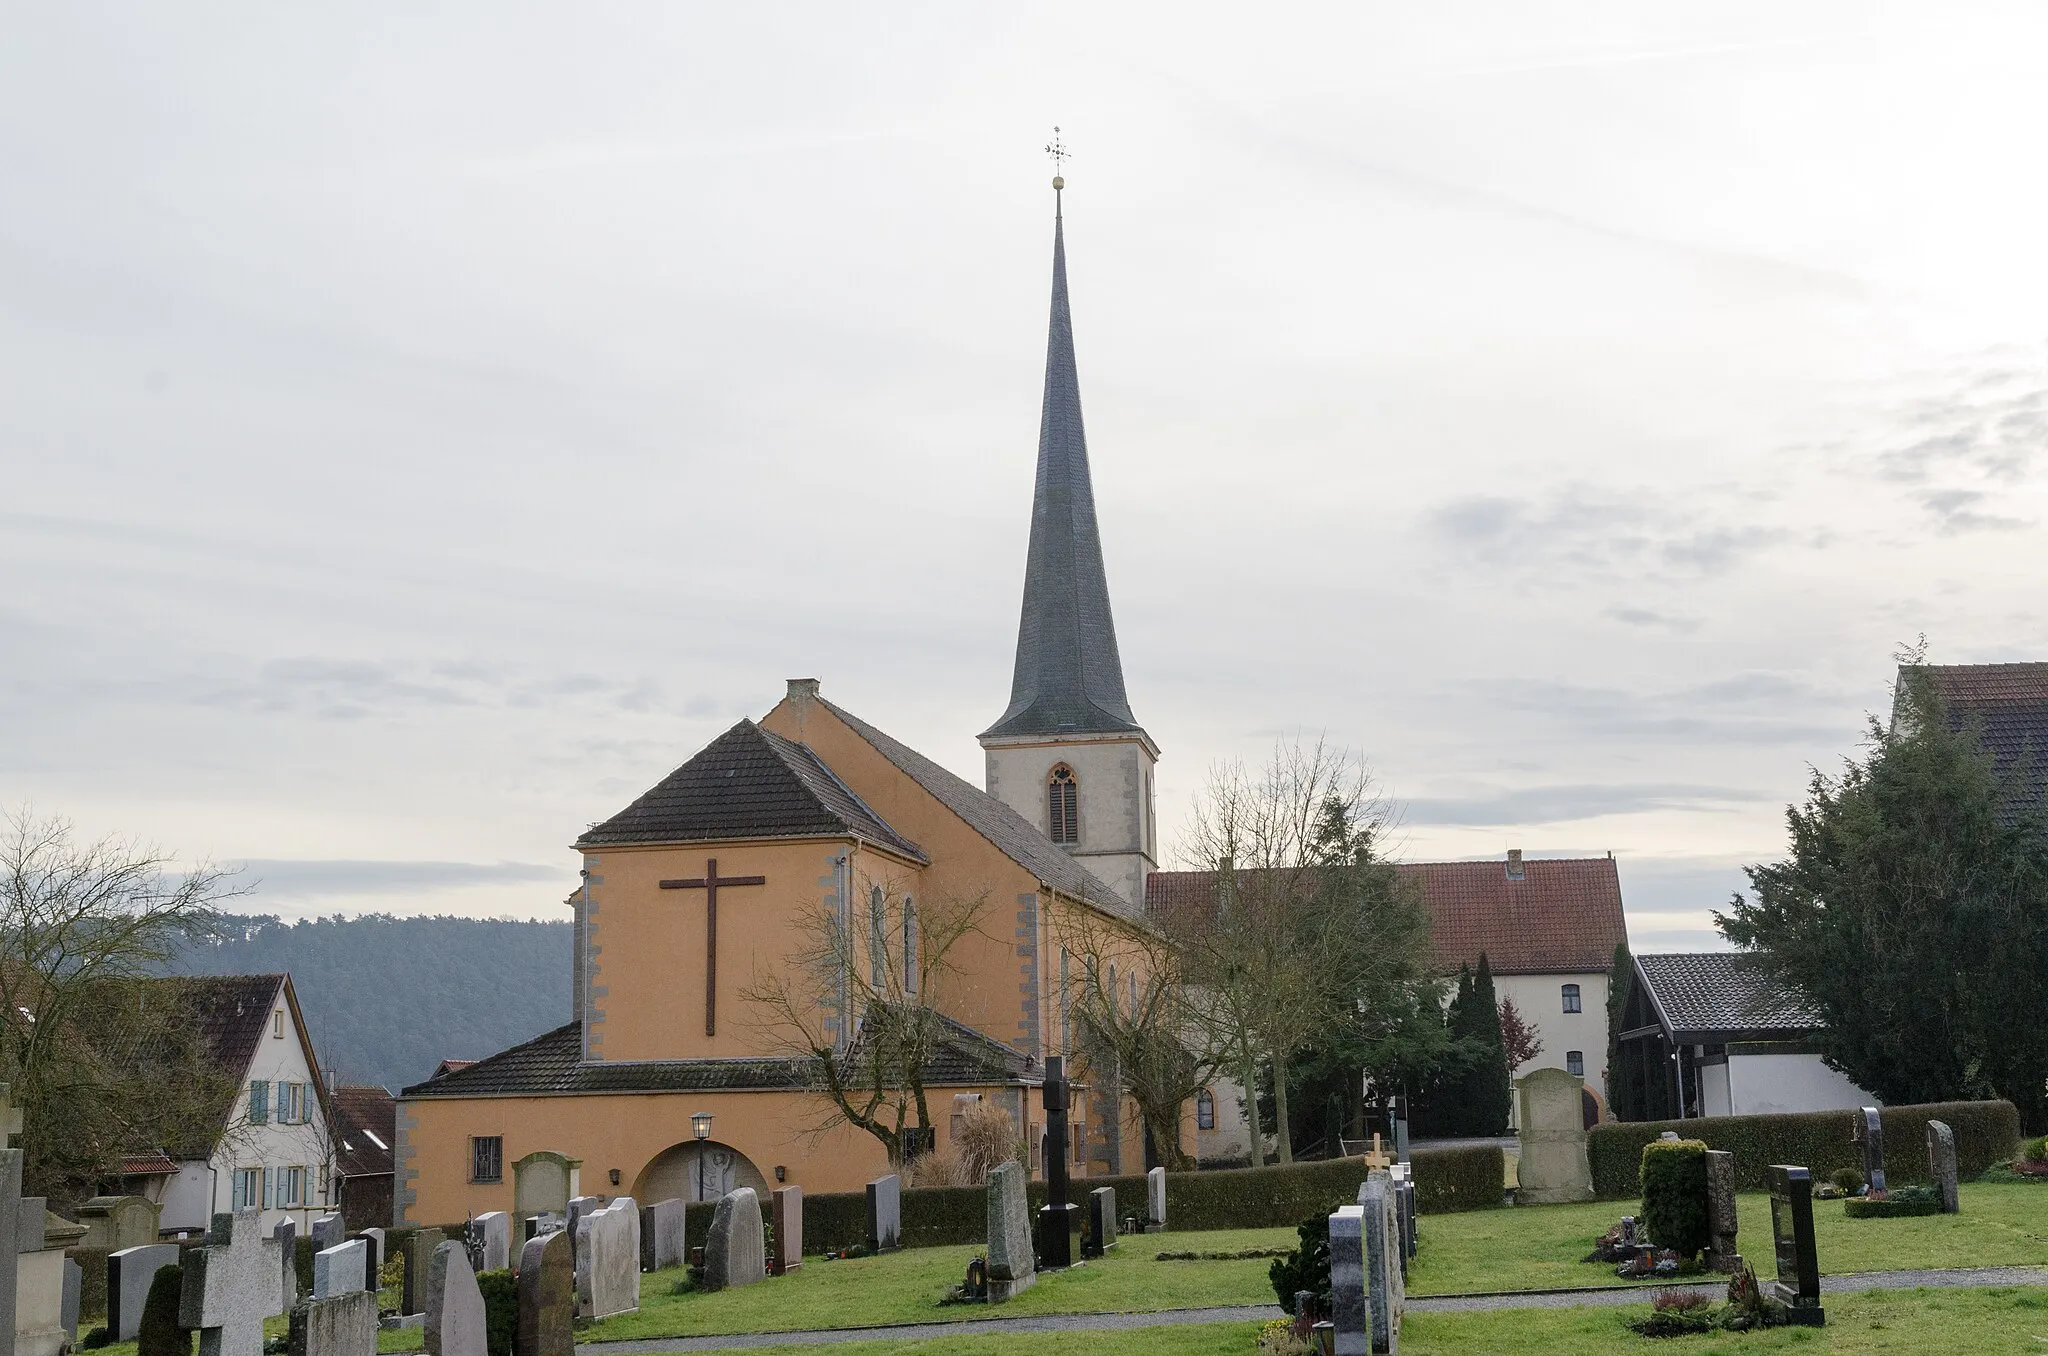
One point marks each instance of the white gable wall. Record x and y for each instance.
(1761, 1084)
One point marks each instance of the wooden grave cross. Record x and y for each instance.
(1377, 1158)
(709, 883)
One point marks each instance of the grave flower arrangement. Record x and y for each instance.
(1683, 1313)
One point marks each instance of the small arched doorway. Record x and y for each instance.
(697, 1170)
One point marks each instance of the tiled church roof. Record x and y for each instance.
(1016, 837)
(748, 783)
(551, 1064)
(2009, 702)
(1563, 916)
(1718, 993)
(1069, 677)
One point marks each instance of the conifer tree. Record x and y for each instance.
(1491, 1089)
(1624, 1063)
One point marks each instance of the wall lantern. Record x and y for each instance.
(781, 1173)
(615, 1176)
(700, 1125)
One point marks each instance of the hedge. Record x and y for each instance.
(1986, 1133)
(1674, 1209)
(1279, 1196)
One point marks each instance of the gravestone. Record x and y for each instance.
(607, 1259)
(1554, 1169)
(287, 1235)
(1350, 1301)
(1383, 1282)
(1723, 1254)
(39, 1279)
(373, 1277)
(231, 1286)
(885, 1214)
(543, 1183)
(788, 1208)
(547, 1297)
(1100, 1234)
(328, 1230)
(734, 1251)
(1797, 1287)
(74, 1289)
(1941, 1158)
(495, 1228)
(1155, 1199)
(343, 1325)
(341, 1268)
(1399, 1113)
(1056, 1216)
(661, 1236)
(117, 1222)
(10, 1223)
(1011, 1267)
(1870, 1134)
(129, 1273)
(419, 1260)
(455, 1323)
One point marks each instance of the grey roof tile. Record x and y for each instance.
(1016, 837)
(2009, 704)
(1724, 994)
(1069, 677)
(747, 783)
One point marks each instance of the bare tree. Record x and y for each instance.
(100, 1062)
(1274, 958)
(875, 967)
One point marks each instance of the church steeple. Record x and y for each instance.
(1069, 677)
(1067, 754)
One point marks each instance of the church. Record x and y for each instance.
(699, 921)
(705, 1001)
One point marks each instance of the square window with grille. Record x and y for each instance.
(487, 1158)
(1571, 998)
(1575, 1062)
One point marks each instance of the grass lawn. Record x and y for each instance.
(1895, 1323)
(1538, 1247)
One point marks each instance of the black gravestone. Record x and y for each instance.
(1797, 1288)
(1056, 1216)
(1098, 1234)
(1870, 1131)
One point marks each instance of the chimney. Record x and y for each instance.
(1514, 864)
(802, 692)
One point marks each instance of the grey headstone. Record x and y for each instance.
(1155, 1198)
(129, 1273)
(788, 1217)
(1100, 1235)
(547, 1297)
(607, 1260)
(1553, 1168)
(341, 1268)
(287, 1235)
(734, 1252)
(661, 1236)
(496, 1228)
(1870, 1131)
(74, 1287)
(29, 1233)
(1012, 1268)
(117, 1222)
(1941, 1157)
(10, 1234)
(454, 1305)
(1721, 1221)
(328, 1230)
(885, 1214)
(230, 1286)
(345, 1325)
(1383, 1261)
(419, 1258)
(1350, 1303)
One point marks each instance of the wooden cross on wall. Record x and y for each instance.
(709, 883)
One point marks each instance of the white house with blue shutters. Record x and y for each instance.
(273, 1148)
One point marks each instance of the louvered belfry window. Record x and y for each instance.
(1064, 804)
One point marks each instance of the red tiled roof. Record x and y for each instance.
(1563, 916)
(147, 1165)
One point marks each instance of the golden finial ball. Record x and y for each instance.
(1058, 183)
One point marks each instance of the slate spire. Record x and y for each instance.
(1069, 678)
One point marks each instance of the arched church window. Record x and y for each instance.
(909, 945)
(1063, 801)
(1205, 1110)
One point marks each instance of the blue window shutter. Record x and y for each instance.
(259, 1101)
(267, 1187)
(284, 1103)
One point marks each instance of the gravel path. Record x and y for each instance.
(1425, 1304)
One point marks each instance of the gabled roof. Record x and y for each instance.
(2009, 702)
(1719, 996)
(1562, 917)
(552, 1064)
(1069, 677)
(365, 1124)
(1013, 835)
(748, 783)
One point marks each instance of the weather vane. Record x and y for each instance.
(1057, 149)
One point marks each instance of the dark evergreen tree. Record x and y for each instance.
(1491, 1089)
(1913, 912)
(1624, 1064)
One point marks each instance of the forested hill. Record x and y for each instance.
(386, 999)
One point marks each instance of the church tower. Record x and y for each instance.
(1068, 754)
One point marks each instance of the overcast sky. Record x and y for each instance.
(424, 426)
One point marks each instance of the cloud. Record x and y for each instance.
(1980, 431)
(1957, 510)
(298, 878)
(1755, 707)
(1648, 617)
(1558, 804)
(1597, 532)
